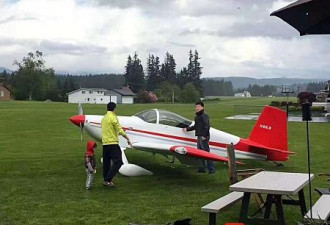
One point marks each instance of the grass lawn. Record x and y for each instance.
(42, 174)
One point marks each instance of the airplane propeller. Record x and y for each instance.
(81, 131)
(80, 109)
(79, 120)
(81, 125)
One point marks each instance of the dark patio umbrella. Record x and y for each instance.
(307, 16)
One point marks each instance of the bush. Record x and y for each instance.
(161, 99)
(294, 109)
(312, 108)
(212, 99)
(146, 97)
(189, 93)
(289, 103)
(275, 103)
(317, 108)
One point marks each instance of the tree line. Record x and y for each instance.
(162, 78)
(33, 81)
(217, 87)
(158, 81)
(256, 90)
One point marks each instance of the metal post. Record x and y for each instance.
(306, 116)
(309, 171)
(287, 106)
(212, 218)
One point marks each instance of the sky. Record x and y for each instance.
(232, 37)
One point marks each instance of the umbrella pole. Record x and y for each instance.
(306, 116)
(309, 170)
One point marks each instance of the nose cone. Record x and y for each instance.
(78, 120)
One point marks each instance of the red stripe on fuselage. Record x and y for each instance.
(217, 144)
(242, 146)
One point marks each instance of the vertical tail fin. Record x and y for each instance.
(271, 129)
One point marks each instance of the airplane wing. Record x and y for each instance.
(178, 150)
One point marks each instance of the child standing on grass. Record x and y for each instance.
(90, 164)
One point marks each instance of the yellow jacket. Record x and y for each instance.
(110, 129)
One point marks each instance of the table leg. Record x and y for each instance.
(245, 206)
(268, 206)
(212, 218)
(302, 202)
(279, 209)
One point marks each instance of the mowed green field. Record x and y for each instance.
(42, 173)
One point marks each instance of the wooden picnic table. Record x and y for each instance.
(274, 185)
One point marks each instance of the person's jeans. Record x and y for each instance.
(89, 179)
(204, 145)
(112, 161)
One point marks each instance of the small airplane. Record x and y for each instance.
(160, 132)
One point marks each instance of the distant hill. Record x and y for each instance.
(4, 68)
(243, 82)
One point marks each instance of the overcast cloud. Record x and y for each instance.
(233, 37)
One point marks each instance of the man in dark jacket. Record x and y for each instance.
(202, 131)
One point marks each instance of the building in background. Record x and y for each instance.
(245, 94)
(126, 95)
(123, 95)
(5, 93)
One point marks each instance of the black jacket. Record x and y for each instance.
(202, 125)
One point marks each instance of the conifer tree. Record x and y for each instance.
(134, 75)
(197, 72)
(168, 69)
(153, 73)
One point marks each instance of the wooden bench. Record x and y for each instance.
(320, 210)
(216, 206)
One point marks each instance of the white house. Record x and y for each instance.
(101, 96)
(245, 94)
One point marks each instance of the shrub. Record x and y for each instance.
(275, 103)
(317, 108)
(294, 109)
(146, 97)
(161, 99)
(189, 93)
(212, 99)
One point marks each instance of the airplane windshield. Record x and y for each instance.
(150, 116)
(172, 119)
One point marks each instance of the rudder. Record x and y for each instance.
(271, 129)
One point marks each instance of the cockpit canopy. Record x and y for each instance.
(159, 116)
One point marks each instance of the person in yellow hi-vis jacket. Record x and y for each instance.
(111, 128)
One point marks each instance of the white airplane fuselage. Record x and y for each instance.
(159, 134)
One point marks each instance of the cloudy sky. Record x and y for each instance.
(233, 37)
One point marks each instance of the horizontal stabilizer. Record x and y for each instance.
(265, 148)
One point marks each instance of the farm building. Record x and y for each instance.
(123, 95)
(5, 93)
(245, 94)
